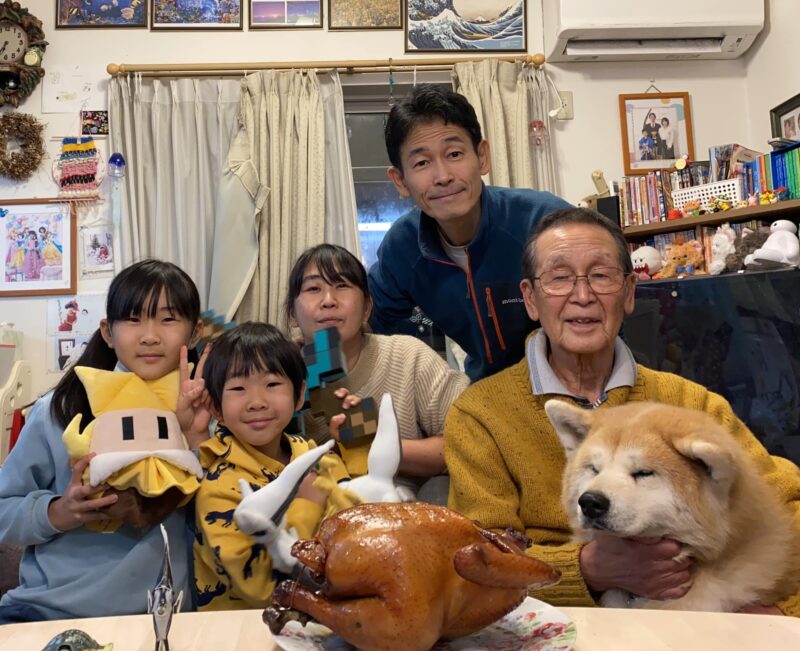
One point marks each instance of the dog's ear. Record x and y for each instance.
(571, 423)
(717, 462)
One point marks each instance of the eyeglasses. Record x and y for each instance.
(602, 280)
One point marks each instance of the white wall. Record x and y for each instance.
(730, 101)
(773, 75)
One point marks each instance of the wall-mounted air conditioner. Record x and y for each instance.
(636, 30)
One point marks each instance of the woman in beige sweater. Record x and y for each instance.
(328, 287)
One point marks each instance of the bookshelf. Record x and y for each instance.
(781, 210)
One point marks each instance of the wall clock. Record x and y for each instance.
(22, 47)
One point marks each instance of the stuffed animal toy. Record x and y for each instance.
(722, 245)
(782, 248)
(745, 244)
(139, 447)
(691, 208)
(646, 262)
(683, 259)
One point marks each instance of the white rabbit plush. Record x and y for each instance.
(722, 245)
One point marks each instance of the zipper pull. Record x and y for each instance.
(489, 302)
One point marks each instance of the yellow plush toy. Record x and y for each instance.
(137, 441)
(683, 259)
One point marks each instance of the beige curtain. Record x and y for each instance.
(174, 135)
(283, 124)
(507, 97)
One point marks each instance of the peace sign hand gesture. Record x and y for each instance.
(194, 403)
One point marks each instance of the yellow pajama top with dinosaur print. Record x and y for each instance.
(232, 571)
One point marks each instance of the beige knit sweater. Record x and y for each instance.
(420, 382)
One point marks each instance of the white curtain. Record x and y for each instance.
(174, 135)
(278, 158)
(511, 102)
(341, 216)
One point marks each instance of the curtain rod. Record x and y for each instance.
(236, 69)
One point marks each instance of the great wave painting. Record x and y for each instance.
(465, 25)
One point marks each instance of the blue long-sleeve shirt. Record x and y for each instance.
(481, 310)
(78, 573)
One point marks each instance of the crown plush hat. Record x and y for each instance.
(135, 436)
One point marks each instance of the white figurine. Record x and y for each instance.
(782, 248)
(646, 262)
(262, 513)
(722, 245)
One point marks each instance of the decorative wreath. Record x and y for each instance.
(20, 165)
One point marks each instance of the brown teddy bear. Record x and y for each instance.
(683, 259)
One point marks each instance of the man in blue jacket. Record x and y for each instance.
(456, 255)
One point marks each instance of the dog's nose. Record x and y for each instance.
(593, 504)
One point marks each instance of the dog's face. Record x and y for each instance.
(646, 469)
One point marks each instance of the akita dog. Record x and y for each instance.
(653, 470)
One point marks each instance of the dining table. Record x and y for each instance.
(598, 629)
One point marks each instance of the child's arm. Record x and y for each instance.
(194, 403)
(28, 481)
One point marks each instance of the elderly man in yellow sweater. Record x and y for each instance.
(504, 457)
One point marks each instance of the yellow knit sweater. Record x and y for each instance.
(506, 462)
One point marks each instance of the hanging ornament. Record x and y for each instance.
(20, 162)
(116, 171)
(537, 132)
(78, 171)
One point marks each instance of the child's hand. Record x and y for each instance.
(194, 403)
(348, 400)
(308, 492)
(75, 506)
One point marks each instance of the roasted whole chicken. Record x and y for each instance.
(398, 577)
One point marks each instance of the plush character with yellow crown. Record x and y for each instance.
(140, 451)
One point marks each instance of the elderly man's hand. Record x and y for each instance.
(646, 567)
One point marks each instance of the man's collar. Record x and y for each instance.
(544, 381)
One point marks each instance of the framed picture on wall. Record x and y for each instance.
(465, 25)
(365, 14)
(101, 13)
(196, 14)
(37, 247)
(785, 119)
(656, 130)
(285, 14)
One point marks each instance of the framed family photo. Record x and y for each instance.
(37, 245)
(465, 25)
(101, 13)
(365, 14)
(285, 14)
(196, 14)
(656, 130)
(785, 119)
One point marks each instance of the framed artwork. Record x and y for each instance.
(365, 14)
(465, 25)
(101, 13)
(37, 247)
(283, 14)
(656, 130)
(785, 119)
(97, 249)
(196, 14)
(94, 123)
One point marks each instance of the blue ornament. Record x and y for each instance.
(116, 165)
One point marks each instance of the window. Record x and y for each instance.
(367, 98)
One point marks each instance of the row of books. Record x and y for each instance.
(662, 240)
(776, 169)
(645, 199)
